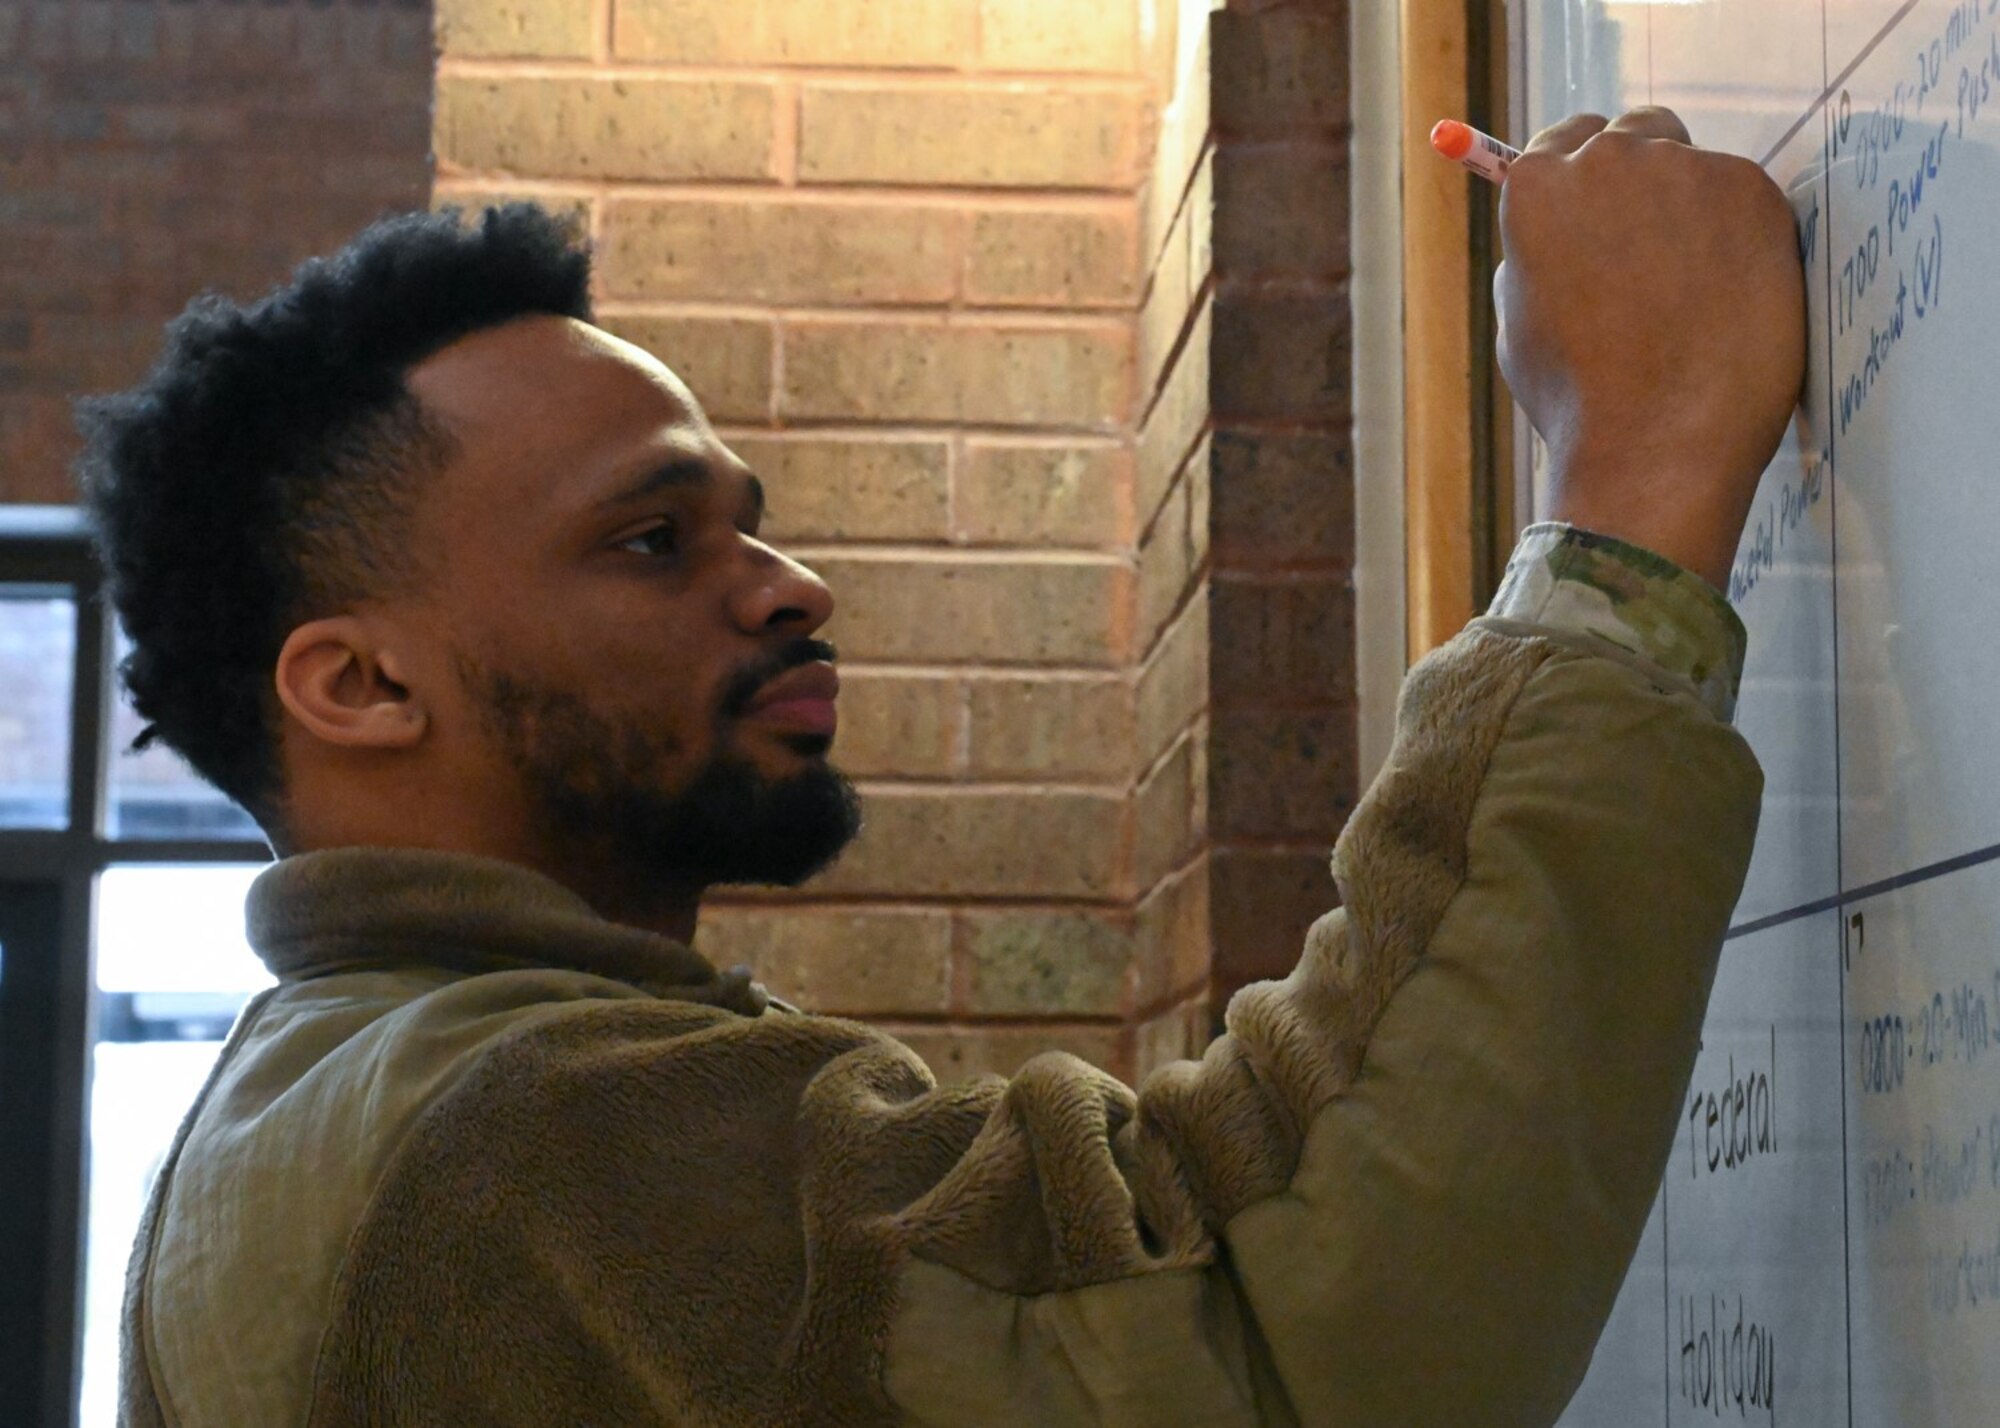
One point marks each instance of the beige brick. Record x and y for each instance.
(1283, 773)
(961, 1053)
(1177, 420)
(838, 962)
(1033, 35)
(901, 34)
(1059, 729)
(629, 127)
(1044, 963)
(1042, 494)
(1011, 136)
(1201, 220)
(1169, 302)
(1052, 258)
(981, 843)
(1061, 611)
(1200, 480)
(1165, 567)
(1170, 813)
(472, 202)
(984, 376)
(477, 29)
(727, 361)
(1174, 943)
(1179, 1034)
(899, 726)
(1185, 130)
(877, 488)
(1160, 40)
(1174, 686)
(766, 252)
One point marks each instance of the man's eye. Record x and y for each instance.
(662, 539)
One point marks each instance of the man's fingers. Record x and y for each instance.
(1652, 122)
(1568, 136)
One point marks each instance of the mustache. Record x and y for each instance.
(744, 684)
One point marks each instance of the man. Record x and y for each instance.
(465, 601)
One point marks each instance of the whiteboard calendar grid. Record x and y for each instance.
(1827, 1237)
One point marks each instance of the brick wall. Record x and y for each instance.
(153, 148)
(1042, 353)
(1283, 762)
(1246, 689)
(894, 249)
(1032, 316)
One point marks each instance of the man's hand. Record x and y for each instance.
(1652, 324)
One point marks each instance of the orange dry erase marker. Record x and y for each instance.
(1482, 153)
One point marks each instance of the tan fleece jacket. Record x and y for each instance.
(483, 1158)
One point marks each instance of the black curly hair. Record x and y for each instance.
(263, 474)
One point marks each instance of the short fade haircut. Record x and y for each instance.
(264, 473)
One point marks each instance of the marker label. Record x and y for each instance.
(1482, 153)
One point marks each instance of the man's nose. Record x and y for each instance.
(778, 593)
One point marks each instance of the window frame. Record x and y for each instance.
(48, 882)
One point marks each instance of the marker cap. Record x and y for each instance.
(1452, 139)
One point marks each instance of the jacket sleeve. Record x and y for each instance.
(1424, 1158)
(1402, 1190)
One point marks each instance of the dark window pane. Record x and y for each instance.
(37, 669)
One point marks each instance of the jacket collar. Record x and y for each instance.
(350, 909)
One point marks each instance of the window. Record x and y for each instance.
(122, 966)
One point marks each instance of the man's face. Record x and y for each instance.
(622, 646)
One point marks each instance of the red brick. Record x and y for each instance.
(1279, 70)
(1283, 357)
(1283, 499)
(1282, 638)
(1264, 902)
(1281, 209)
(1282, 773)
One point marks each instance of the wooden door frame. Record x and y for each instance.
(1459, 453)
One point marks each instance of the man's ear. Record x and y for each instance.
(344, 686)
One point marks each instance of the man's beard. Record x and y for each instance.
(596, 786)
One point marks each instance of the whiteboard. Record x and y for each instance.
(1825, 1249)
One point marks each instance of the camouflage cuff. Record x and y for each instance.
(1568, 579)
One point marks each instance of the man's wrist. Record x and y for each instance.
(1568, 579)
